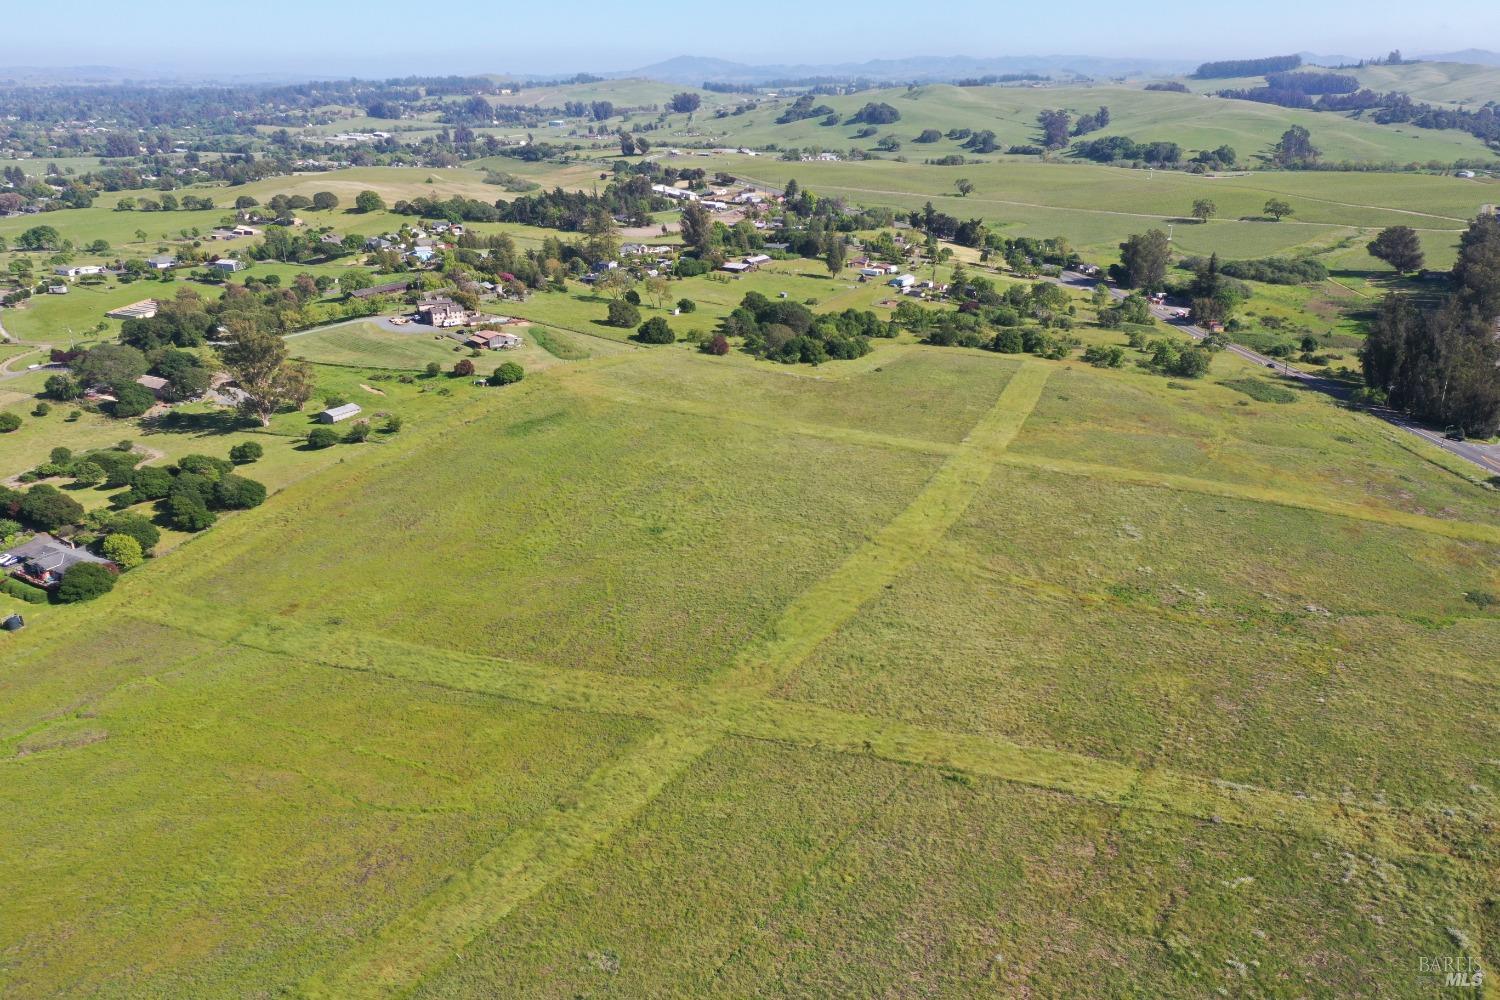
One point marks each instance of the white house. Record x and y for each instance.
(902, 281)
(161, 261)
(75, 270)
(757, 259)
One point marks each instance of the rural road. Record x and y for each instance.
(1486, 456)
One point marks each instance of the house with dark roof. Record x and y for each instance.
(44, 560)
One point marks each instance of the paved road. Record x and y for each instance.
(1486, 456)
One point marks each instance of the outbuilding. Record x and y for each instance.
(334, 414)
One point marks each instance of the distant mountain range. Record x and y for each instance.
(696, 69)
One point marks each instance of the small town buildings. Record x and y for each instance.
(44, 560)
(334, 414)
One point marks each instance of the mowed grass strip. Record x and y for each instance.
(819, 611)
(1465, 530)
(432, 933)
(1360, 825)
(408, 950)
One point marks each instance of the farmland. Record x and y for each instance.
(989, 650)
(955, 601)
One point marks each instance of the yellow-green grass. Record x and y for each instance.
(577, 578)
(995, 754)
(1193, 121)
(1132, 420)
(1096, 207)
(226, 819)
(772, 872)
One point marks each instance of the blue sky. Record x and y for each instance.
(337, 37)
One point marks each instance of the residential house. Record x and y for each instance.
(334, 414)
(902, 281)
(77, 270)
(61, 288)
(757, 259)
(244, 231)
(44, 560)
(161, 262)
(155, 383)
(735, 267)
(442, 313)
(378, 243)
(228, 265)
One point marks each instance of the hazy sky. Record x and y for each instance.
(386, 37)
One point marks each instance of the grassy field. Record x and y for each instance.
(1096, 207)
(661, 674)
(1191, 120)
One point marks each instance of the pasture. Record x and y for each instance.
(842, 676)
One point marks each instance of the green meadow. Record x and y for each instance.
(661, 674)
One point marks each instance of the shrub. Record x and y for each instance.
(210, 468)
(63, 388)
(655, 331)
(60, 455)
(507, 373)
(392, 424)
(41, 410)
(135, 526)
(358, 433)
(8, 527)
(47, 508)
(123, 550)
(1104, 357)
(238, 493)
(322, 437)
(118, 466)
(188, 513)
(717, 345)
(151, 483)
(463, 368)
(84, 582)
(1008, 341)
(434, 369)
(632, 296)
(131, 400)
(9, 422)
(623, 314)
(246, 452)
(23, 591)
(87, 474)
(686, 306)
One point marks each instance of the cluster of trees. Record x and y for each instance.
(1021, 320)
(1113, 148)
(791, 333)
(191, 493)
(1169, 87)
(1246, 67)
(629, 197)
(1269, 270)
(1056, 127)
(1092, 121)
(1441, 362)
(803, 108)
(874, 113)
(166, 202)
